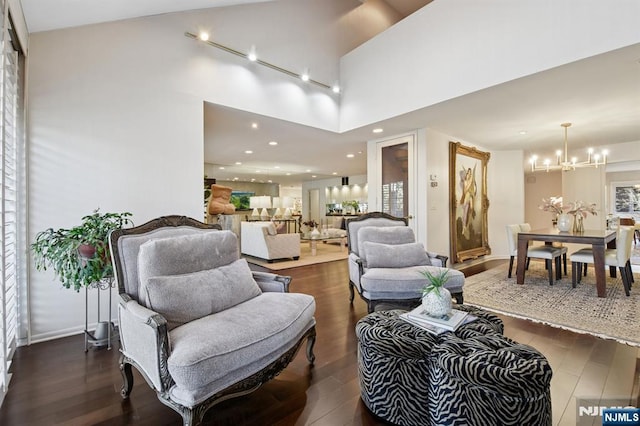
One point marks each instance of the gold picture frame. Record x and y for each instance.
(468, 202)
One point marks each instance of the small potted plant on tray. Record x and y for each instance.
(79, 256)
(436, 300)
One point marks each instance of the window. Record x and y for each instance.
(12, 167)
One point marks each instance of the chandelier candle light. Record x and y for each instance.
(564, 163)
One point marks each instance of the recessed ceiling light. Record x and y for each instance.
(257, 171)
(313, 176)
(238, 163)
(350, 155)
(273, 143)
(276, 167)
(221, 167)
(334, 173)
(248, 151)
(378, 130)
(308, 170)
(523, 132)
(288, 174)
(204, 36)
(254, 125)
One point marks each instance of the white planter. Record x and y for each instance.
(436, 304)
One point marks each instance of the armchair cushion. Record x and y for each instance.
(395, 255)
(384, 235)
(187, 297)
(203, 358)
(184, 254)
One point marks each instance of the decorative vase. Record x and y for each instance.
(564, 222)
(437, 303)
(578, 224)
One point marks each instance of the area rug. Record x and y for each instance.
(577, 309)
(325, 253)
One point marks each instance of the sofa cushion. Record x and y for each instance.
(384, 235)
(186, 297)
(252, 330)
(395, 255)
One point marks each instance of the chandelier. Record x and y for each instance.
(564, 163)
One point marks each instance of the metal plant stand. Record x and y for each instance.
(105, 330)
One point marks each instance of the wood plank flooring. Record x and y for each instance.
(56, 383)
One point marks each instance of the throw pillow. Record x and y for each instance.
(187, 297)
(271, 229)
(395, 255)
(384, 235)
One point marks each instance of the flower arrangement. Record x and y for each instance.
(311, 223)
(553, 205)
(582, 209)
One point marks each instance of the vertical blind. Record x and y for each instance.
(12, 169)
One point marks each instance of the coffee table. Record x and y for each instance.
(313, 241)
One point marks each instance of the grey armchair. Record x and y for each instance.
(197, 323)
(385, 263)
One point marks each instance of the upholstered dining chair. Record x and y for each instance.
(526, 227)
(549, 253)
(619, 257)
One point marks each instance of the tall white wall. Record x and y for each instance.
(505, 191)
(446, 50)
(116, 114)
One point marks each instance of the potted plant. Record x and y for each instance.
(436, 300)
(79, 256)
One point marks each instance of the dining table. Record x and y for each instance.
(599, 240)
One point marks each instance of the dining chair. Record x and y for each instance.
(619, 257)
(549, 253)
(526, 227)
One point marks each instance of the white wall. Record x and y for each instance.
(505, 191)
(541, 185)
(444, 50)
(116, 114)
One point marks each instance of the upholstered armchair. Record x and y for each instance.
(261, 239)
(385, 262)
(195, 321)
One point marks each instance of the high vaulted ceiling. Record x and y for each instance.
(599, 95)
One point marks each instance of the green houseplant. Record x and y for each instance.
(436, 300)
(79, 256)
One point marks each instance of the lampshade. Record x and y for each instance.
(254, 203)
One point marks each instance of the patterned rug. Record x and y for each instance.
(577, 309)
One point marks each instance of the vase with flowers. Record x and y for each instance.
(580, 210)
(311, 228)
(554, 205)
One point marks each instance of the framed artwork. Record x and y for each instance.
(468, 202)
(625, 198)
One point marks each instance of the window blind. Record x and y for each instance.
(12, 145)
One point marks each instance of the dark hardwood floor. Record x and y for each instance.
(56, 382)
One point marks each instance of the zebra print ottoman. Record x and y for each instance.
(403, 381)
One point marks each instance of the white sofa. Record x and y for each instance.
(260, 239)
